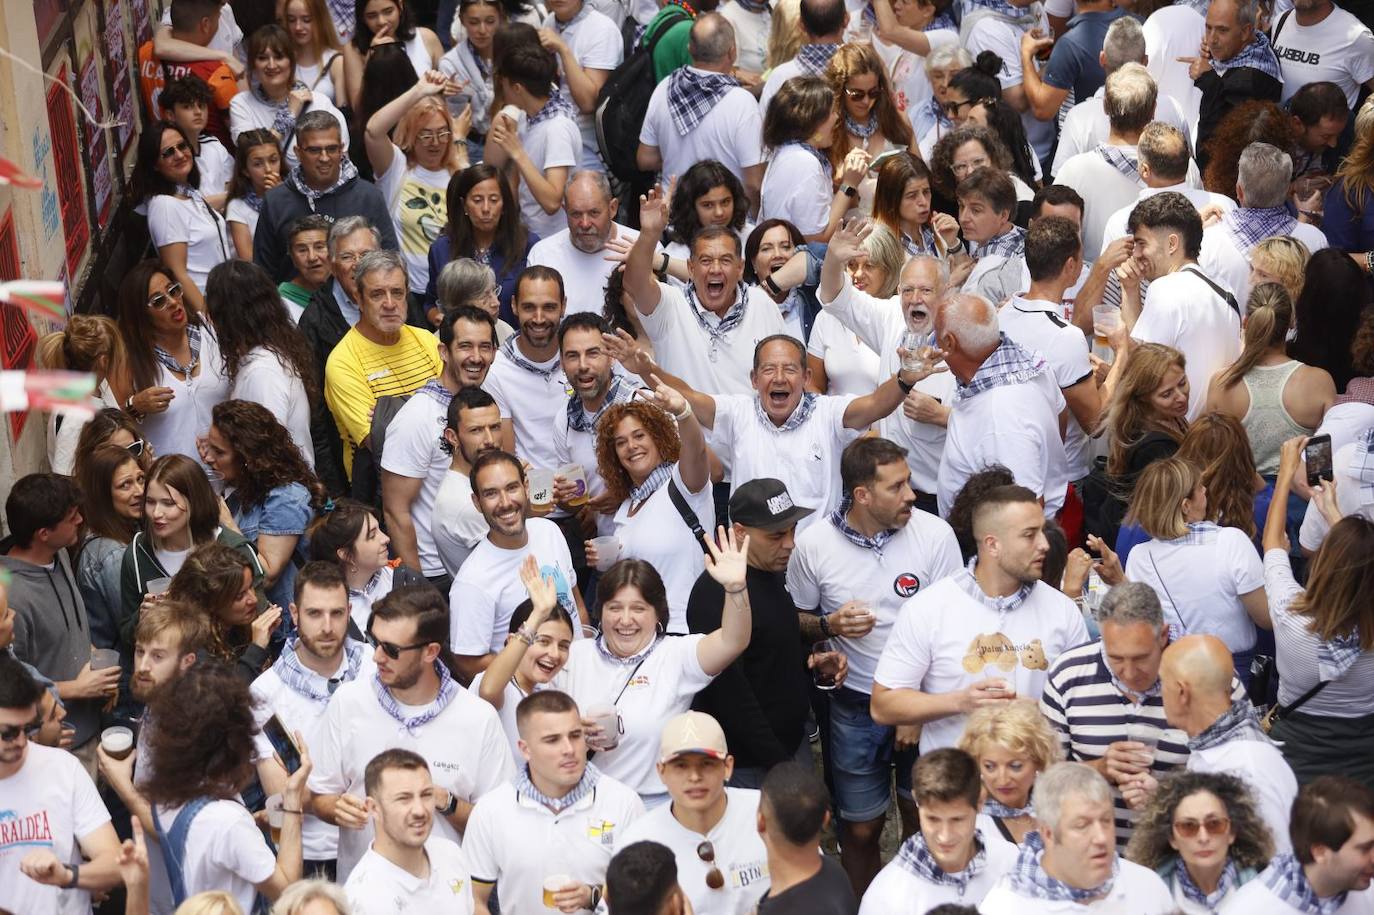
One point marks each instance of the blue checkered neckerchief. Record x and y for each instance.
(483, 67)
(940, 117)
(1230, 878)
(996, 6)
(305, 682)
(942, 21)
(433, 388)
(556, 105)
(448, 688)
(755, 7)
(283, 121)
(1121, 160)
(562, 27)
(1011, 243)
(1028, 877)
(652, 483)
(693, 94)
(926, 247)
(733, 317)
(968, 583)
(1236, 723)
(585, 786)
(1284, 878)
(1248, 226)
(1336, 656)
(995, 808)
(619, 391)
(1200, 533)
(1136, 697)
(1010, 363)
(1257, 55)
(168, 360)
(840, 518)
(814, 58)
(862, 131)
(818, 155)
(347, 172)
(915, 858)
(805, 407)
(253, 199)
(512, 352)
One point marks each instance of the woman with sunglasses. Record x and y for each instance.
(869, 116)
(190, 236)
(348, 533)
(928, 119)
(1202, 834)
(965, 87)
(110, 426)
(176, 373)
(112, 482)
(89, 343)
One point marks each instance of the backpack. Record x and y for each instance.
(367, 461)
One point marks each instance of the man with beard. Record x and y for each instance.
(407, 867)
(414, 461)
(526, 378)
(981, 636)
(488, 586)
(297, 687)
(412, 699)
(579, 252)
(456, 524)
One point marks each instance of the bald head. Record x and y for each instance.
(712, 41)
(1204, 663)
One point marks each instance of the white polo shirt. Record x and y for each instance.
(945, 640)
(584, 275)
(1255, 897)
(739, 853)
(555, 142)
(731, 134)
(827, 570)
(379, 887)
(412, 450)
(464, 745)
(1226, 263)
(797, 188)
(1136, 891)
(595, 42)
(1260, 764)
(880, 325)
(683, 347)
(662, 686)
(515, 841)
(530, 400)
(456, 525)
(897, 889)
(487, 589)
(1181, 310)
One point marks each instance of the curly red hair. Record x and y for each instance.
(1252, 122)
(658, 424)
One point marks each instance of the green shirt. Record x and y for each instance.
(671, 50)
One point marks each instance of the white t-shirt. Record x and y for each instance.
(851, 365)
(740, 853)
(412, 450)
(510, 698)
(897, 889)
(797, 188)
(174, 430)
(1086, 125)
(49, 804)
(360, 602)
(238, 210)
(194, 223)
(1224, 262)
(263, 378)
(464, 745)
(1260, 764)
(555, 142)
(662, 686)
(990, 33)
(945, 641)
(215, 164)
(487, 589)
(1104, 190)
(683, 347)
(595, 42)
(379, 887)
(779, 75)
(1136, 891)
(1183, 311)
(751, 34)
(456, 525)
(248, 112)
(416, 198)
(531, 401)
(584, 275)
(1256, 897)
(225, 850)
(1172, 32)
(1339, 49)
(658, 535)
(827, 570)
(732, 133)
(517, 842)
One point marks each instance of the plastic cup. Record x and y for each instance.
(607, 718)
(158, 585)
(555, 883)
(117, 742)
(541, 488)
(1147, 734)
(275, 817)
(825, 665)
(607, 552)
(1106, 318)
(575, 475)
(911, 342)
(102, 658)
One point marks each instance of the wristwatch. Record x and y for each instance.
(772, 286)
(849, 190)
(906, 388)
(825, 627)
(451, 807)
(76, 877)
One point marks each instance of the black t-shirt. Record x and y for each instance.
(827, 893)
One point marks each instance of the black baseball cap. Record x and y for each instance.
(766, 504)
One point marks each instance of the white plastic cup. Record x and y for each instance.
(541, 487)
(607, 718)
(158, 585)
(117, 742)
(577, 476)
(911, 342)
(607, 552)
(1106, 318)
(102, 658)
(555, 883)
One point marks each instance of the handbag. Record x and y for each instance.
(1278, 712)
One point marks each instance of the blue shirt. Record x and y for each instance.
(1346, 228)
(1073, 62)
(286, 512)
(440, 254)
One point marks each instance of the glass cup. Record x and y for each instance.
(912, 342)
(607, 718)
(117, 742)
(555, 883)
(607, 552)
(102, 658)
(275, 817)
(541, 489)
(1145, 733)
(575, 475)
(1106, 318)
(825, 664)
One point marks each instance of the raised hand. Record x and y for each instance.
(617, 250)
(847, 242)
(653, 213)
(626, 350)
(726, 560)
(667, 398)
(541, 589)
(265, 623)
(133, 857)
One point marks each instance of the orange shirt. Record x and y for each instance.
(153, 75)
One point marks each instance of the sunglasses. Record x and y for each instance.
(434, 136)
(332, 150)
(392, 650)
(707, 853)
(135, 447)
(171, 151)
(1214, 826)
(859, 94)
(11, 733)
(953, 108)
(164, 298)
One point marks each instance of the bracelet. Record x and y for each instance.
(596, 897)
(772, 285)
(525, 636)
(661, 271)
(1369, 262)
(131, 409)
(686, 412)
(76, 877)
(825, 627)
(289, 810)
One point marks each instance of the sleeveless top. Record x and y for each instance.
(419, 55)
(1267, 423)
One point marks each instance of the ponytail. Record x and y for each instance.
(1266, 327)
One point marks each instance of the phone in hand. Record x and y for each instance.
(283, 743)
(1317, 455)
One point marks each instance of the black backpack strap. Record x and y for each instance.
(688, 516)
(1226, 296)
(1274, 35)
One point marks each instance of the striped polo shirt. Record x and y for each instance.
(1089, 714)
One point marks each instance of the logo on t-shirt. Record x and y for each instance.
(32, 829)
(602, 832)
(906, 584)
(741, 875)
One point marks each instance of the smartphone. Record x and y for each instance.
(282, 741)
(1317, 454)
(882, 157)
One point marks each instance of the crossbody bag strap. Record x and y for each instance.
(1222, 293)
(1183, 627)
(1303, 699)
(1274, 37)
(324, 69)
(688, 516)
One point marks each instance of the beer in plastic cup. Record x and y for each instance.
(575, 475)
(1106, 318)
(276, 815)
(102, 658)
(118, 742)
(553, 884)
(607, 718)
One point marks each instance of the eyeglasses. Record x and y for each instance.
(434, 136)
(135, 447)
(962, 169)
(11, 733)
(165, 297)
(1214, 826)
(350, 257)
(707, 853)
(859, 94)
(171, 151)
(332, 149)
(393, 651)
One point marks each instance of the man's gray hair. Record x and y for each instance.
(941, 267)
(1124, 44)
(948, 56)
(1247, 12)
(592, 177)
(1131, 602)
(711, 39)
(1061, 781)
(972, 320)
(342, 228)
(315, 119)
(462, 282)
(298, 895)
(1129, 99)
(378, 261)
(1263, 175)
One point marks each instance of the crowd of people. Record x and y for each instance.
(930, 471)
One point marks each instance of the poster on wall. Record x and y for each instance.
(47, 15)
(17, 336)
(102, 180)
(121, 79)
(143, 26)
(66, 154)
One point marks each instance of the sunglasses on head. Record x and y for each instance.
(392, 650)
(135, 447)
(1214, 826)
(11, 733)
(707, 853)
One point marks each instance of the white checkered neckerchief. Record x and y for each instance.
(968, 583)
(436, 391)
(305, 682)
(693, 93)
(585, 786)
(342, 12)
(1200, 533)
(633, 660)
(1119, 159)
(617, 392)
(1011, 243)
(1248, 226)
(814, 58)
(995, 808)
(865, 130)
(652, 483)
(512, 352)
(996, 6)
(942, 21)
(1336, 656)
(819, 156)
(170, 361)
(1236, 723)
(1028, 877)
(557, 105)
(1010, 363)
(733, 317)
(915, 858)
(283, 121)
(1284, 878)
(926, 247)
(448, 688)
(562, 27)
(1230, 879)
(1257, 55)
(754, 6)
(805, 407)
(1197, 6)
(1136, 697)
(840, 518)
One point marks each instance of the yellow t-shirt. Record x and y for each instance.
(360, 371)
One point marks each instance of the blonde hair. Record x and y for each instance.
(1356, 171)
(1016, 726)
(298, 895)
(409, 127)
(1266, 328)
(1286, 258)
(1130, 415)
(211, 902)
(82, 344)
(886, 252)
(1157, 505)
(784, 33)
